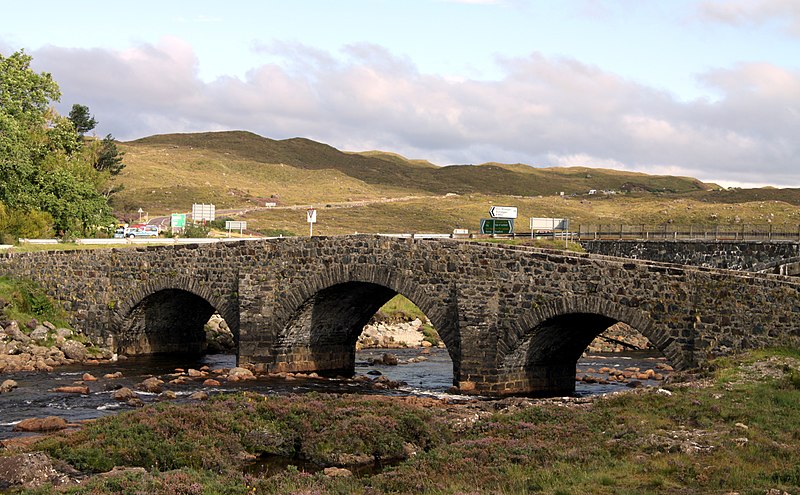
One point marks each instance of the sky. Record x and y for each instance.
(702, 88)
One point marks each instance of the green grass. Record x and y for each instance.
(25, 301)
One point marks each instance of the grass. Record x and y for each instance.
(738, 434)
(25, 301)
(238, 170)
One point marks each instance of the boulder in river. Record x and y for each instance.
(151, 385)
(73, 389)
(7, 386)
(124, 394)
(239, 374)
(74, 350)
(50, 423)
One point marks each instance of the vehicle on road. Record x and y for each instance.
(136, 231)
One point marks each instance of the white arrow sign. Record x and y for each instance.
(503, 211)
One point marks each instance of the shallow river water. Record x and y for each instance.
(432, 377)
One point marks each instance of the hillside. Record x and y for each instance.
(386, 169)
(376, 191)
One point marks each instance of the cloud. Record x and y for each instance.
(542, 111)
(753, 12)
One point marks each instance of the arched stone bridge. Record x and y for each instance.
(515, 320)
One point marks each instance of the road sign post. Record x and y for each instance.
(503, 212)
(497, 226)
(178, 221)
(311, 218)
(235, 225)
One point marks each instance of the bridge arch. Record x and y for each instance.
(541, 350)
(167, 315)
(320, 319)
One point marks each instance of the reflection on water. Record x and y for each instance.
(432, 376)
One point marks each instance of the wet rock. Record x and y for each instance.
(201, 395)
(30, 471)
(634, 384)
(389, 359)
(73, 389)
(167, 395)
(124, 394)
(50, 423)
(113, 376)
(374, 372)
(88, 377)
(7, 386)
(134, 402)
(211, 383)
(196, 373)
(74, 350)
(238, 374)
(151, 385)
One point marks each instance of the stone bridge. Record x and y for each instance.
(514, 320)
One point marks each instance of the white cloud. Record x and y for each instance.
(754, 12)
(543, 111)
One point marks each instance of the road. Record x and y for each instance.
(164, 222)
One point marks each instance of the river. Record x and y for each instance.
(431, 377)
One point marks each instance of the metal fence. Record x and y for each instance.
(743, 232)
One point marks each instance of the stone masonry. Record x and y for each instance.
(514, 319)
(754, 256)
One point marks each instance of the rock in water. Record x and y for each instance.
(50, 423)
(151, 385)
(7, 386)
(238, 374)
(73, 389)
(124, 394)
(74, 350)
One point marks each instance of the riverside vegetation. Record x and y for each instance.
(730, 427)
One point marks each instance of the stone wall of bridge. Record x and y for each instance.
(753, 256)
(514, 320)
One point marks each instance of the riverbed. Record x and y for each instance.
(433, 376)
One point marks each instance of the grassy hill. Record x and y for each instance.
(391, 170)
(376, 191)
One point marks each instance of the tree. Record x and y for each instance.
(45, 173)
(109, 158)
(83, 122)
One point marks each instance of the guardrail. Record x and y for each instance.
(744, 232)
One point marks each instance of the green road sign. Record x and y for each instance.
(497, 226)
(178, 220)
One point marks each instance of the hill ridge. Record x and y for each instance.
(390, 169)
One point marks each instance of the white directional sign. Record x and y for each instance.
(203, 212)
(311, 218)
(503, 211)
(549, 224)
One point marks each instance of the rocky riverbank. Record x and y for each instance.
(43, 346)
(397, 335)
